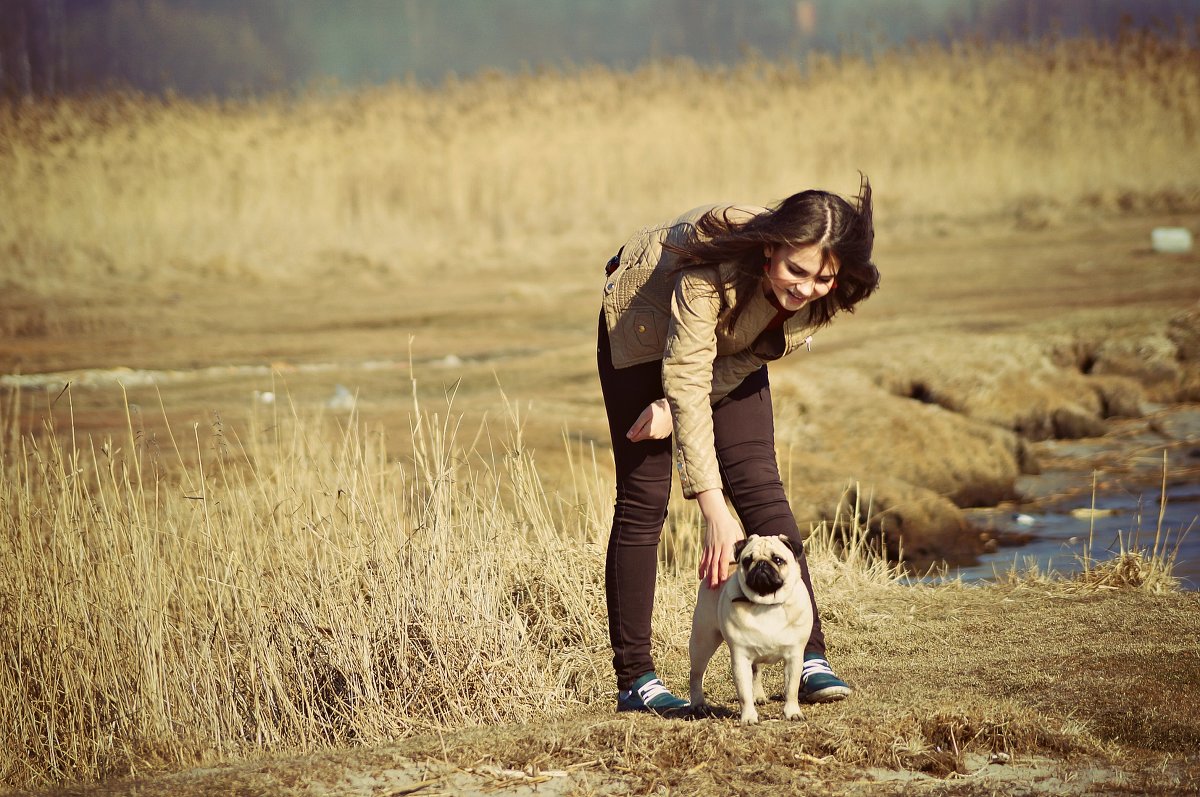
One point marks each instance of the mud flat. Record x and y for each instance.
(956, 387)
(931, 428)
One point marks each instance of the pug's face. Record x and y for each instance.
(766, 566)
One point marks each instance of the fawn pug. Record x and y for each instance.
(764, 614)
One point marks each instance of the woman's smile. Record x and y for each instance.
(798, 275)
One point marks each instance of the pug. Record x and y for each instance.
(764, 614)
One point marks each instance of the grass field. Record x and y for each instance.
(296, 591)
(132, 192)
(189, 575)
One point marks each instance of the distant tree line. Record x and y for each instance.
(197, 47)
(231, 47)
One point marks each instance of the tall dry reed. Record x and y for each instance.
(206, 593)
(503, 169)
(294, 589)
(203, 593)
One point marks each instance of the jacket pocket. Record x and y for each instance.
(642, 333)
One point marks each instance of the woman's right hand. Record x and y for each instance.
(721, 533)
(653, 424)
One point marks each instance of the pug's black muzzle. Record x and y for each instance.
(763, 578)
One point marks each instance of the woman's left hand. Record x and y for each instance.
(653, 424)
(721, 533)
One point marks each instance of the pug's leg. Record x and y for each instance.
(705, 639)
(794, 666)
(760, 696)
(701, 649)
(743, 681)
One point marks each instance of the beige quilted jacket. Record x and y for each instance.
(653, 313)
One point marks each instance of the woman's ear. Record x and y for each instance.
(767, 250)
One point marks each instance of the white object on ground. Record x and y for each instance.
(1084, 513)
(342, 399)
(1173, 240)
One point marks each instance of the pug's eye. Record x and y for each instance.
(777, 559)
(747, 561)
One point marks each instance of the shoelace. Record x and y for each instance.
(815, 667)
(653, 689)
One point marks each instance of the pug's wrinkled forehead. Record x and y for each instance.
(765, 547)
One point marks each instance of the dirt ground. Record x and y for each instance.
(206, 350)
(1060, 693)
(1000, 691)
(987, 316)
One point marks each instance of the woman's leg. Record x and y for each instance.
(643, 487)
(744, 431)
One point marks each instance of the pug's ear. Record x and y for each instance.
(739, 546)
(796, 548)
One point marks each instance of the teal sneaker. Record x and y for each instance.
(820, 684)
(650, 694)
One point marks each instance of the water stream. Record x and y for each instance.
(1124, 470)
(1062, 532)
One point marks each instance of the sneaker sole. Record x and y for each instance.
(830, 694)
(674, 711)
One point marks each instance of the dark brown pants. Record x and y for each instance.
(744, 433)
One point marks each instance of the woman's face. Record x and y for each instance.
(796, 274)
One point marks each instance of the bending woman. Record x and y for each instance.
(693, 310)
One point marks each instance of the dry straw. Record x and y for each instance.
(293, 589)
(289, 585)
(506, 168)
(1134, 564)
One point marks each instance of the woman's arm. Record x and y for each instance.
(655, 422)
(730, 371)
(687, 374)
(688, 384)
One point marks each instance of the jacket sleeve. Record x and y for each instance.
(730, 370)
(688, 377)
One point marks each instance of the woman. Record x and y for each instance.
(693, 311)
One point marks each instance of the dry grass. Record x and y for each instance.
(292, 590)
(289, 587)
(1148, 567)
(496, 170)
(172, 595)
(952, 698)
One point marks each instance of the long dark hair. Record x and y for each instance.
(843, 231)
